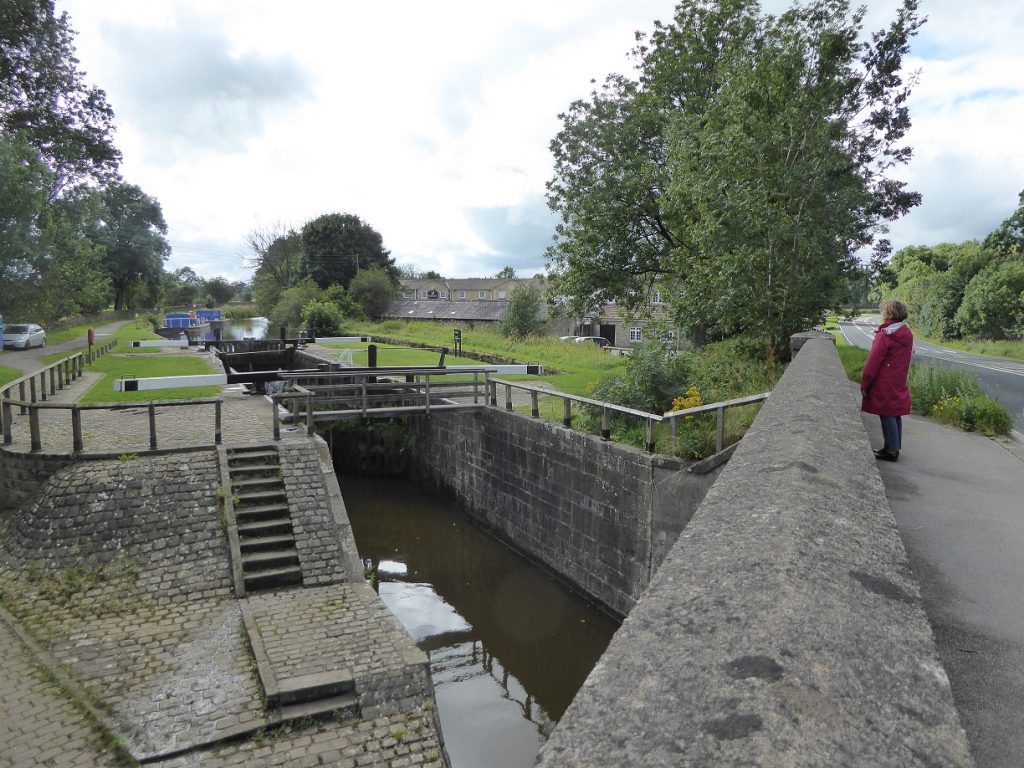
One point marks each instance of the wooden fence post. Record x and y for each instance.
(6, 417)
(33, 425)
(152, 426)
(216, 421)
(76, 429)
(567, 414)
(276, 417)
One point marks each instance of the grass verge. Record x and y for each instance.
(951, 396)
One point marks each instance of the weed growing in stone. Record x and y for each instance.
(126, 457)
(398, 734)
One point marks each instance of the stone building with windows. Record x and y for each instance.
(484, 300)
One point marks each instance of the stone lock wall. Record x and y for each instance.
(599, 514)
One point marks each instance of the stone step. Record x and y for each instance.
(260, 528)
(252, 455)
(339, 708)
(267, 560)
(249, 483)
(262, 512)
(271, 470)
(313, 687)
(266, 543)
(269, 579)
(256, 497)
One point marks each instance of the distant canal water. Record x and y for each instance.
(242, 328)
(508, 645)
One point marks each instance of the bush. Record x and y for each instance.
(653, 378)
(322, 318)
(522, 318)
(954, 397)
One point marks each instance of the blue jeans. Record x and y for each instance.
(892, 433)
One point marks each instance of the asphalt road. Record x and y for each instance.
(1001, 379)
(30, 360)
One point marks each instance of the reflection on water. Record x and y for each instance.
(239, 328)
(508, 646)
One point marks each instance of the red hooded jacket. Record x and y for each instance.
(884, 382)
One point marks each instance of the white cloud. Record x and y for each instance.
(432, 121)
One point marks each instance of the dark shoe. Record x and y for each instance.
(885, 455)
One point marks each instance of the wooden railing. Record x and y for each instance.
(366, 397)
(77, 443)
(607, 409)
(30, 395)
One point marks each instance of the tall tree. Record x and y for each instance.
(1008, 237)
(506, 273)
(741, 172)
(276, 254)
(44, 96)
(132, 229)
(373, 290)
(337, 245)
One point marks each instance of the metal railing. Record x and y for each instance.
(607, 409)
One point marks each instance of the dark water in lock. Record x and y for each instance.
(509, 646)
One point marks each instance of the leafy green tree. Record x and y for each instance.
(740, 172)
(993, 304)
(373, 290)
(506, 273)
(24, 187)
(276, 255)
(1008, 238)
(337, 245)
(44, 97)
(180, 287)
(71, 276)
(522, 317)
(132, 230)
(219, 289)
(288, 310)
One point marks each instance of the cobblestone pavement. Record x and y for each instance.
(38, 725)
(176, 678)
(326, 629)
(398, 741)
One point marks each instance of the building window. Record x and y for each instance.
(501, 294)
(636, 334)
(462, 294)
(444, 294)
(656, 297)
(424, 294)
(481, 294)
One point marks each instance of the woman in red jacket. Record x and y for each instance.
(884, 382)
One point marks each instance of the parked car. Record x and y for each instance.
(601, 341)
(23, 336)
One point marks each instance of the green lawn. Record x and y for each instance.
(116, 366)
(9, 374)
(571, 368)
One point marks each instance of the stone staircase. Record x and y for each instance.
(313, 696)
(265, 536)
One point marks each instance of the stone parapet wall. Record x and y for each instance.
(599, 514)
(23, 475)
(785, 627)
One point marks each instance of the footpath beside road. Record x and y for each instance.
(958, 499)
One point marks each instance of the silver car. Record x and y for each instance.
(24, 336)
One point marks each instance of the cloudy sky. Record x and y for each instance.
(431, 121)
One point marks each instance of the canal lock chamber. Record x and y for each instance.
(509, 644)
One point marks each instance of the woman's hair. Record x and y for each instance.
(893, 309)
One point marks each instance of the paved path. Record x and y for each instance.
(38, 725)
(29, 360)
(958, 499)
